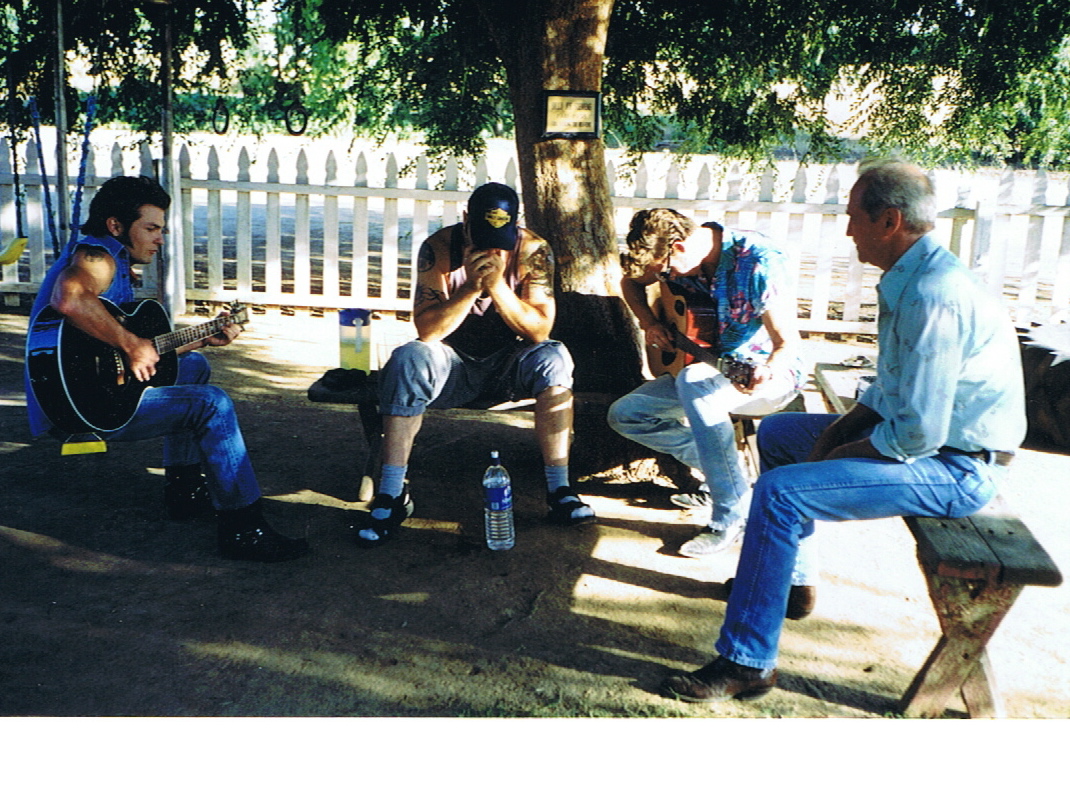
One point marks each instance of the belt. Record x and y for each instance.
(1000, 458)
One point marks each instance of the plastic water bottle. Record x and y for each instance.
(498, 506)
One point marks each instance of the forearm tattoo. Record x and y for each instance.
(428, 295)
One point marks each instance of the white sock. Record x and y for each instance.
(556, 476)
(391, 482)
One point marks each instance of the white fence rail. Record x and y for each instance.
(313, 227)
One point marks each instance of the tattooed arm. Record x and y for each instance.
(436, 313)
(530, 310)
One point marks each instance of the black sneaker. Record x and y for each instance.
(373, 531)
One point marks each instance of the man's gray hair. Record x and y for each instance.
(894, 184)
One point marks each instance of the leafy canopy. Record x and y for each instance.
(935, 79)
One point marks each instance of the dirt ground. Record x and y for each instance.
(109, 610)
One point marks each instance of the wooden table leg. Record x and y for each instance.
(969, 612)
(980, 693)
(372, 424)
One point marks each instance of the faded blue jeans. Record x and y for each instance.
(435, 375)
(689, 418)
(199, 425)
(790, 495)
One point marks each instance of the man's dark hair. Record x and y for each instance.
(122, 197)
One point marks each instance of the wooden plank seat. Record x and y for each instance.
(975, 568)
(348, 386)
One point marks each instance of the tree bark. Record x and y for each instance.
(560, 44)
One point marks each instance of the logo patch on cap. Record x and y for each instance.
(497, 217)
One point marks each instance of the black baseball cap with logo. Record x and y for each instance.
(492, 212)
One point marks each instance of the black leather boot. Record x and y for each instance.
(245, 535)
(185, 493)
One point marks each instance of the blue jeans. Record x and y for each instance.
(689, 418)
(420, 375)
(790, 495)
(199, 425)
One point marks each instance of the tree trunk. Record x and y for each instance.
(560, 44)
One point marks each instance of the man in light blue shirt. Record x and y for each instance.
(931, 436)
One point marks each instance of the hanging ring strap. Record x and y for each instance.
(32, 103)
(90, 113)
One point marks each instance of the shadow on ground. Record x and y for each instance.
(110, 610)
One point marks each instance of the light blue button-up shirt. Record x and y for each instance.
(949, 365)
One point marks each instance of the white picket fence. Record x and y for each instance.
(296, 224)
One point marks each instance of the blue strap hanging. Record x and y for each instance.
(90, 113)
(32, 103)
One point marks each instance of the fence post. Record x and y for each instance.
(819, 307)
(188, 266)
(1060, 291)
(35, 214)
(388, 250)
(360, 231)
(984, 214)
(449, 208)
(243, 246)
(330, 228)
(1031, 260)
(302, 230)
(797, 226)
(172, 276)
(215, 226)
(273, 231)
(9, 224)
(703, 191)
(420, 211)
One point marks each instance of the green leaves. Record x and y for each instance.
(935, 79)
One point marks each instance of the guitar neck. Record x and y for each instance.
(686, 344)
(173, 340)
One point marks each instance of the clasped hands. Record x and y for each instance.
(485, 269)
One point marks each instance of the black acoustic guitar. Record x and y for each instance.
(84, 385)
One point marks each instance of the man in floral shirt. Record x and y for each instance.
(932, 436)
(738, 279)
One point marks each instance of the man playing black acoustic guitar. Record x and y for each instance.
(205, 460)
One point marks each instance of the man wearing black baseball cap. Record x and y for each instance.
(483, 309)
(492, 213)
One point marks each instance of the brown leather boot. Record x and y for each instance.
(722, 679)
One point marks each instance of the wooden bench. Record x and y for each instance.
(365, 396)
(975, 568)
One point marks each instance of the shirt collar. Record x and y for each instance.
(908, 265)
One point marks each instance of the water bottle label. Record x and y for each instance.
(498, 499)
